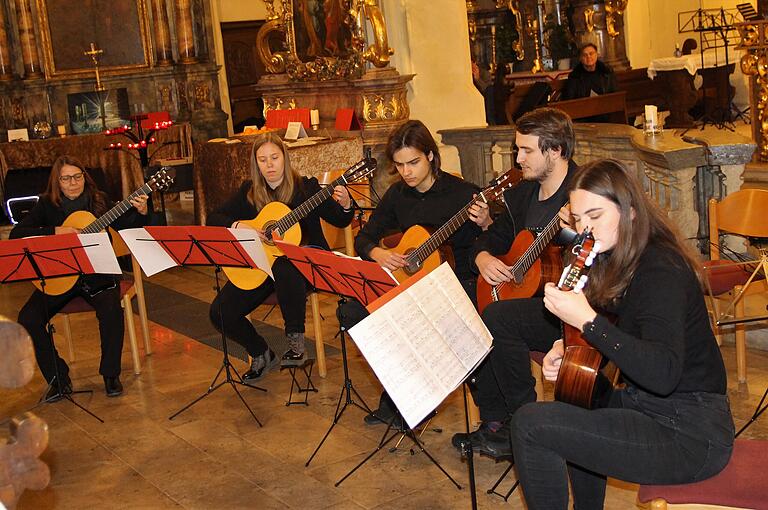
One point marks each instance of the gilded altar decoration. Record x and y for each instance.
(532, 30)
(319, 40)
(589, 19)
(613, 10)
(385, 107)
(754, 62)
(514, 7)
(94, 54)
(278, 103)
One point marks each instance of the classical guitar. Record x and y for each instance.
(421, 246)
(278, 218)
(87, 223)
(585, 378)
(533, 262)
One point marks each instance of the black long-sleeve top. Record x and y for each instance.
(662, 341)
(239, 208)
(402, 207)
(581, 83)
(498, 238)
(45, 217)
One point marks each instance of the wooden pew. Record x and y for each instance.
(613, 106)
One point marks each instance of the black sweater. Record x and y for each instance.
(581, 83)
(402, 207)
(45, 217)
(238, 208)
(662, 341)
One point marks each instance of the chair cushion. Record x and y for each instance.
(80, 305)
(725, 274)
(741, 484)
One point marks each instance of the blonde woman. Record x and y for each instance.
(273, 179)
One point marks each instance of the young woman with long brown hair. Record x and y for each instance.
(273, 179)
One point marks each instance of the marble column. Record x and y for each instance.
(184, 35)
(163, 50)
(27, 37)
(6, 69)
(593, 24)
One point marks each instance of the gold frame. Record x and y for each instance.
(48, 53)
(280, 20)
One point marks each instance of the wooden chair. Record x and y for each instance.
(344, 237)
(728, 283)
(740, 485)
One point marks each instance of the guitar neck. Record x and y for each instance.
(533, 252)
(309, 205)
(118, 210)
(434, 242)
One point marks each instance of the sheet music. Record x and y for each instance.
(151, 256)
(253, 247)
(100, 253)
(424, 342)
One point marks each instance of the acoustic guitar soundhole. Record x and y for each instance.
(413, 266)
(269, 227)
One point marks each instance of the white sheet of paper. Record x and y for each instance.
(101, 254)
(253, 247)
(294, 131)
(151, 256)
(424, 342)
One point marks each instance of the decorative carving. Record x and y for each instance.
(614, 9)
(17, 110)
(754, 62)
(589, 15)
(514, 7)
(532, 30)
(202, 95)
(385, 107)
(343, 53)
(278, 103)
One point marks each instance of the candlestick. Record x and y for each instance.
(314, 116)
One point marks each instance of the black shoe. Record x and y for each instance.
(113, 386)
(260, 366)
(53, 394)
(378, 416)
(292, 358)
(486, 442)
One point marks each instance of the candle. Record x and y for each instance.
(651, 119)
(314, 116)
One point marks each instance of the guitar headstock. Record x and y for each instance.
(500, 184)
(360, 170)
(584, 250)
(162, 179)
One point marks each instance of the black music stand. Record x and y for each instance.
(43, 258)
(208, 246)
(345, 277)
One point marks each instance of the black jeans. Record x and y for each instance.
(108, 312)
(640, 438)
(504, 380)
(234, 305)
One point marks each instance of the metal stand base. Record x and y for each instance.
(308, 387)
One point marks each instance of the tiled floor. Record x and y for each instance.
(215, 455)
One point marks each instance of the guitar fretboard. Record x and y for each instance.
(118, 210)
(533, 252)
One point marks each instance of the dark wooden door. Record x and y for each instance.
(244, 68)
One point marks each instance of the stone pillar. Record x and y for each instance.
(163, 50)
(184, 36)
(27, 37)
(6, 71)
(594, 24)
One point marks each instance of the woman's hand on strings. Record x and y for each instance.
(570, 306)
(341, 195)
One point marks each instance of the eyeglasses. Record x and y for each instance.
(76, 177)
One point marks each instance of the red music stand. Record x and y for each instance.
(345, 277)
(205, 246)
(45, 257)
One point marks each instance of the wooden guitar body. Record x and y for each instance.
(60, 285)
(249, 279)
(411, 240)
(585, 379)
(526, 284)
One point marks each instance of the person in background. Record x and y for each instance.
(590, 77)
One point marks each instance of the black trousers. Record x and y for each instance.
(108, 312)
(641, 438)
(504, 380)
(233, 305)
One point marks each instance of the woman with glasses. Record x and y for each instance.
(70, 188)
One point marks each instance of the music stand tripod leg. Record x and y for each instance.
(760, 409)
(226, 364)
